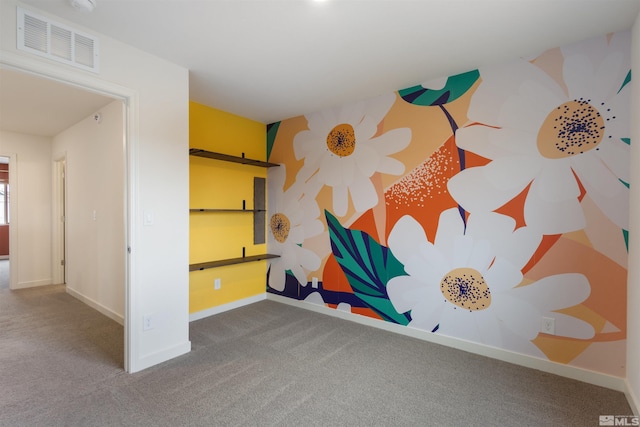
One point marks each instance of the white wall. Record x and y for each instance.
(158, 130)
(33, 224)
(95, 210)
(633, 296)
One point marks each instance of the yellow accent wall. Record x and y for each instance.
(218, 184)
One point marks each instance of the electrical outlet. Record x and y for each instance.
(548, 325)
(216, 284)
(314, 282)
(147, 322)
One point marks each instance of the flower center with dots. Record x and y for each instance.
(571, 129)
(341, 140)
(466, 288)
(280, 227)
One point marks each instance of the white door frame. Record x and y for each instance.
(59, 198)
(130, 116)
(13, 219)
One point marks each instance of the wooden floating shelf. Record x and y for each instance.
(227, 210)
(230, 261)
(227, 158)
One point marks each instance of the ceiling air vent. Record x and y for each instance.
(43, 37)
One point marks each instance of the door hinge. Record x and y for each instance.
(62, 262)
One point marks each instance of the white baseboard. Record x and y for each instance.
(33, 284)
(226, 307)
(580, 374)
(632, 399)
(96, 306)
(160, 356)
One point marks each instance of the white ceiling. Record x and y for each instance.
(35, 106)
(269, 60)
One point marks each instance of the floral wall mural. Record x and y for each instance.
(474, 206)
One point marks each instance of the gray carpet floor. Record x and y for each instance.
(4, 274)
(262, 365)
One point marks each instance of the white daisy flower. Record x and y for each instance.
(340, 150)
(292, 218)
(539, 135)
(468, 282)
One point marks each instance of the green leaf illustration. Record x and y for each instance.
(455, 87)
(368, 266)
(626, 80)
(272, 130)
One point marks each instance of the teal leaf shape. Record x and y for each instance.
(368, 266)
(272, 130)
(626, 80)
(455, 87)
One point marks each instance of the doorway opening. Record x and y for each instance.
(5, 216)
(57, 185)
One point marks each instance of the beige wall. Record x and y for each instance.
(33, 222)
(95, 208)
